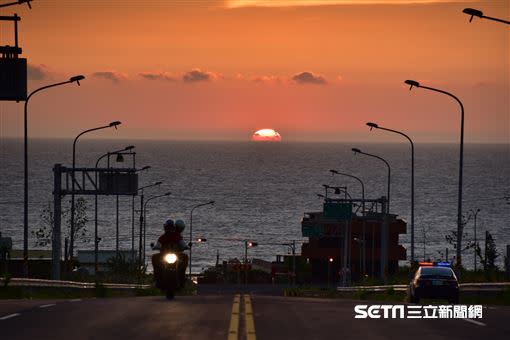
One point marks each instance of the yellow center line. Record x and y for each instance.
(233, 329)
(248, 318)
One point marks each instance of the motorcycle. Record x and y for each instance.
(169, 278)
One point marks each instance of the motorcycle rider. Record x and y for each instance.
(171, 240)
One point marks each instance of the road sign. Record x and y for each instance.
(338, 211)
(13, 79)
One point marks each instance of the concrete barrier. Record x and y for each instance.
(22, 282)
(495, 286)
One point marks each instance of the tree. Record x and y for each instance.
(43, 235)
(451, 238)
(80, 221)
(491, 253)
(488, 259)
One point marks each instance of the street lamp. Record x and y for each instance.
(25, 161)
(112, 124)
(19, 2)
(361, 243)
(384, 233)
(336, 190)
(247, 244)
(375, 126)
(191, 230)
(335, 172)
(147, 167)
(140, 245)
(327, 199)
(413, 83)
(355, 150)
(477, 13)
(120, 159)
(292, 247)
(96, 239)
(145, 217)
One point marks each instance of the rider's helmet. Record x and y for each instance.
(169, 225)
(180, 225)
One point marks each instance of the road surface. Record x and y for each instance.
(228, 317)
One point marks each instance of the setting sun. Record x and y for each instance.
(266, 135)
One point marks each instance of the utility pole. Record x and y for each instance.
(245, 263)
(384, 240)
(294, 262)
(140, 245)
(56, 247)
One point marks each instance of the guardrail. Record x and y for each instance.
(67, 284)
(495, 286)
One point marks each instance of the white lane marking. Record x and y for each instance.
(9, 316)
(475, 322)
(48, 305)
(75, 300)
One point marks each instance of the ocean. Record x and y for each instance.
(262, 190)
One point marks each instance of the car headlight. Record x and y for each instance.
(170, 258)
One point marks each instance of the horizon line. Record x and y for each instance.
(285, 141)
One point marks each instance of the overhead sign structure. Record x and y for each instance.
(13, 70)
(87, 181)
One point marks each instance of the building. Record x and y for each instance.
(346, 245)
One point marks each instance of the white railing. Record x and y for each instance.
(67, 284)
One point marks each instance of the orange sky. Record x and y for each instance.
(221, 70)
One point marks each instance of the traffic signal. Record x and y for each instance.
(252, 244)
(330, 259)
(201, 239)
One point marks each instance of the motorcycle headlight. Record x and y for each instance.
(170, 258)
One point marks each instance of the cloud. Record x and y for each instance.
(110, 75)
(37, 72)
(267, 79)
(157, 76)
(294, 3)
(309, 78)
(196, 75)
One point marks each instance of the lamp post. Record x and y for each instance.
(25, 162)
(414, 83)
(140, 245)
(120, 159)
(355, 150)
(145, 216)
(19, 2)
(247, 244)
(385, 228)
(336, 190)
(191, 230)
(475, 214)
(147, 167)
(292, 247)
(330, 261)
(361, 247)
(112, 124)
(96, 239)
(334, 172)
(376, 126)
(477, 13)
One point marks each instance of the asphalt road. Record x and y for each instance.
(214, 316)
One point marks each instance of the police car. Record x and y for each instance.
(434, 280)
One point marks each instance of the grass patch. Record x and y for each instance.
(44, 293)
